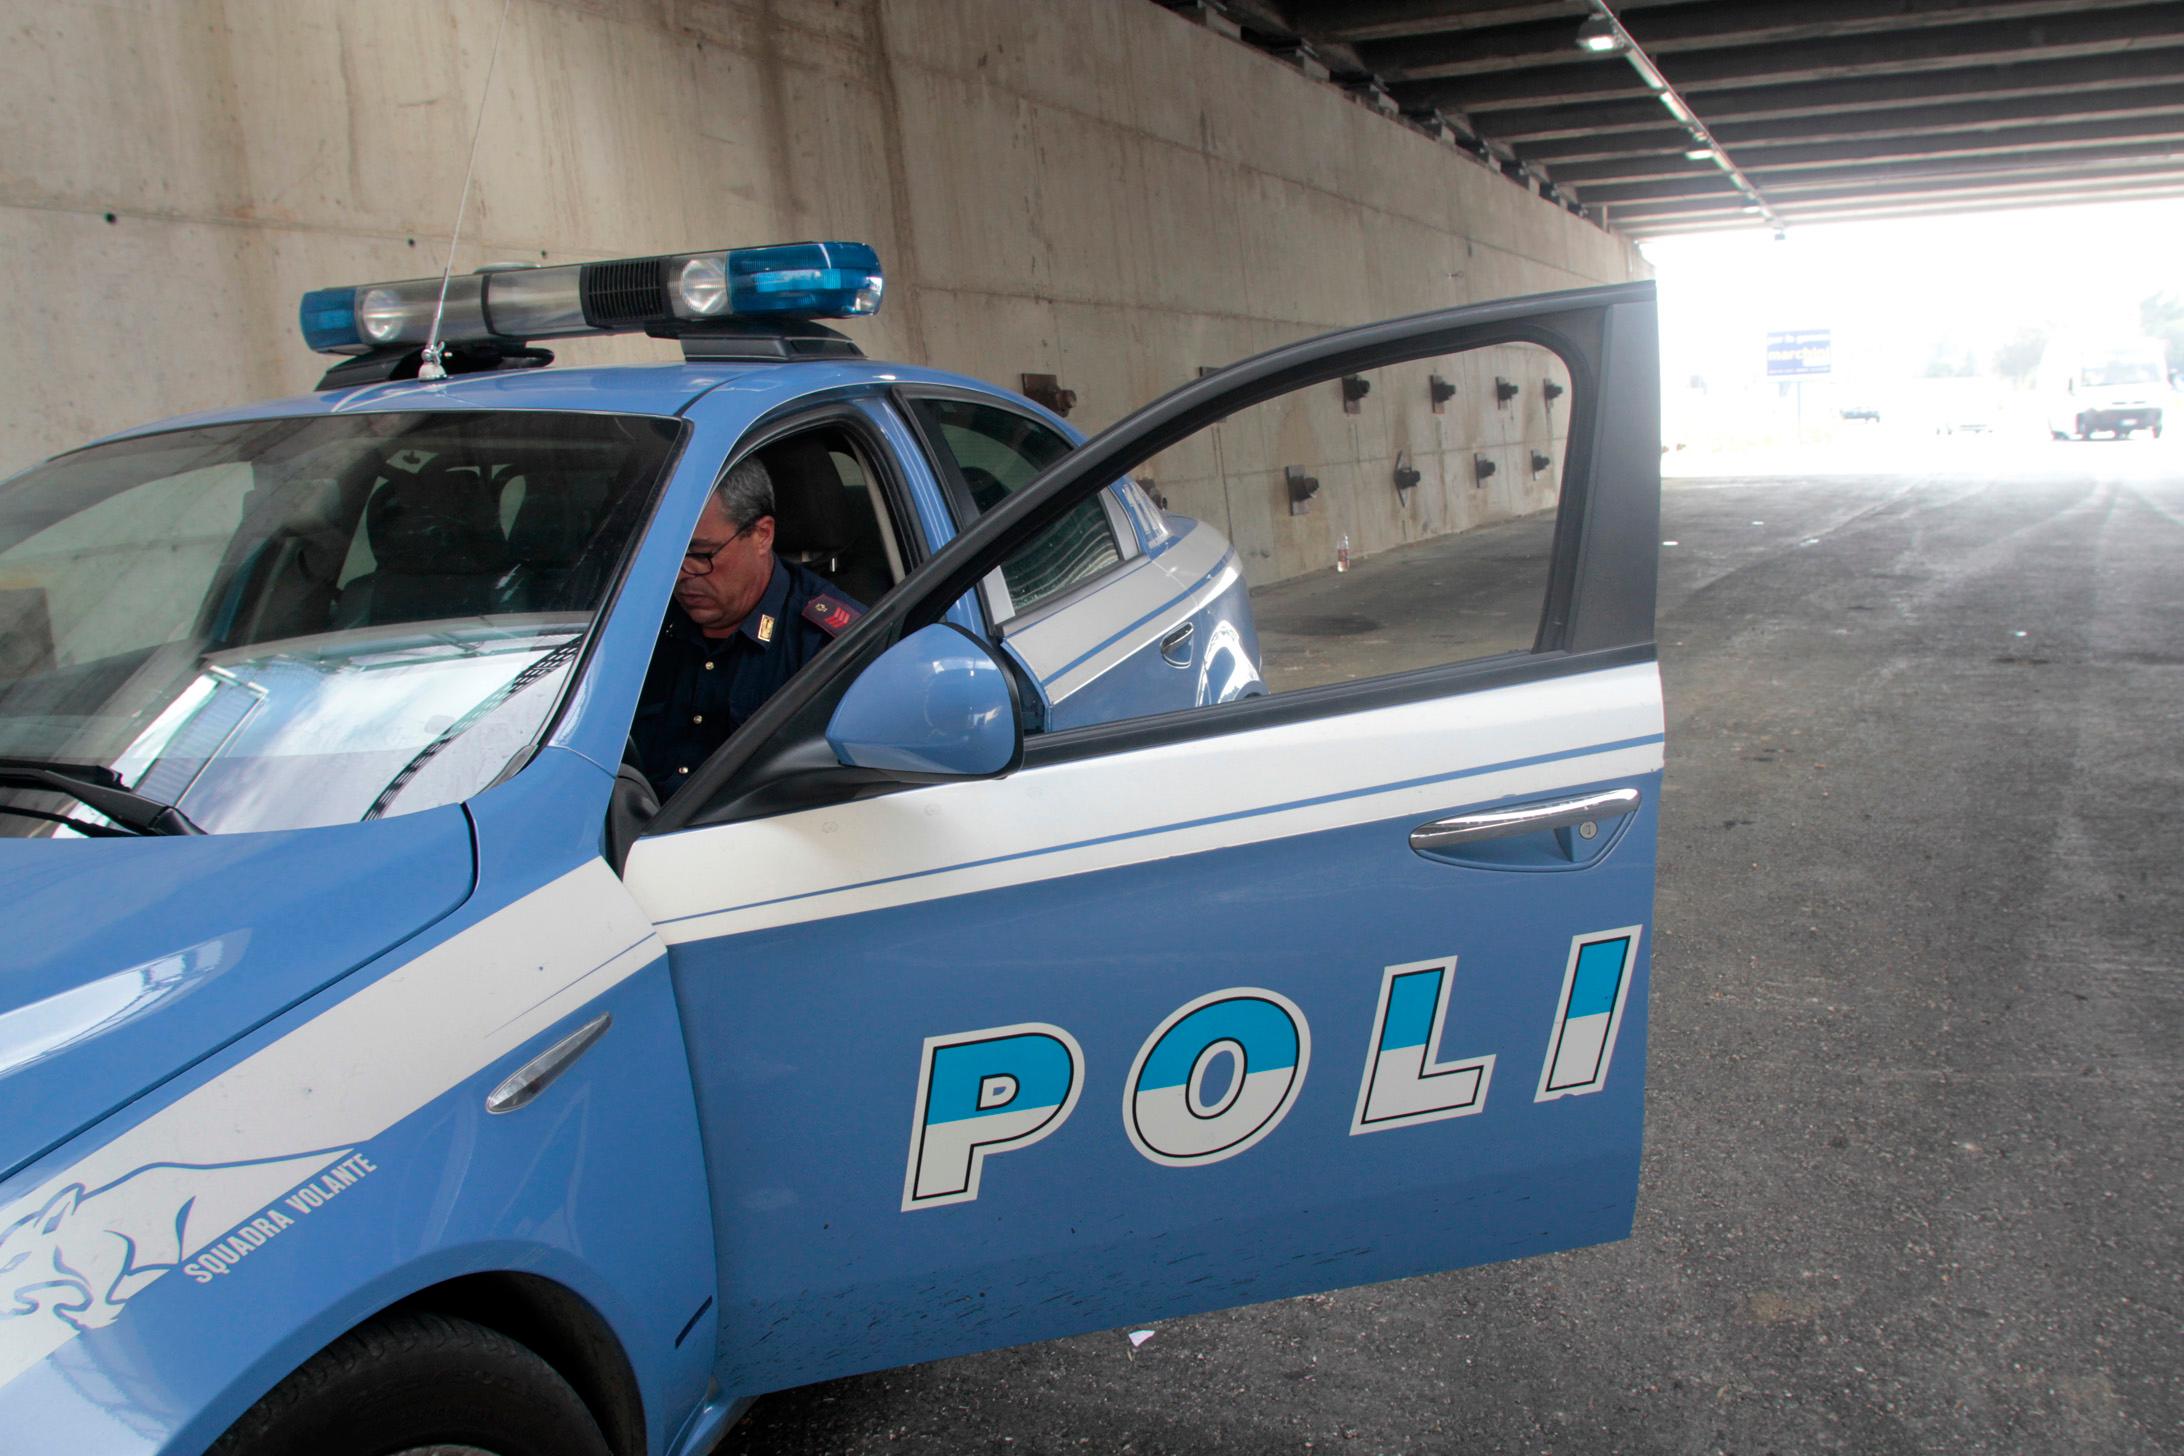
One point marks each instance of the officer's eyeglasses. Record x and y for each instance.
(698, 563)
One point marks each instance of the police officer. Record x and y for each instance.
(741, 623)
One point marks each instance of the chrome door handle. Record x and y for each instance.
(1530, 819)
(1176, 646)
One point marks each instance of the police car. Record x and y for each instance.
(386, 1067)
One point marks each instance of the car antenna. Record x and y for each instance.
(431, 367)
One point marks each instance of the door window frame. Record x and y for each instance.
(885, 474)
(1000, 605)
(1599, 602)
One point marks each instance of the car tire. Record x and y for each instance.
(419, 1382)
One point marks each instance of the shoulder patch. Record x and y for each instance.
(830, 614)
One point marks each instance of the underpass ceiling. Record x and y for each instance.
(1826, 109)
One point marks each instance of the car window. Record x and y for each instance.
(828, 515)
(277, 624)
(51, 616)
(1406, 518)
(996, 452)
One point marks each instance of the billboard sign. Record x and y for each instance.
(1796, 353)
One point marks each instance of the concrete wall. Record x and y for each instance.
(1093, 188)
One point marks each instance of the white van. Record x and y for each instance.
(2118, 389)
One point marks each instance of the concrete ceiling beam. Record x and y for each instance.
(2083, 79)
(1774, 22)
(1916, 57)
(1353, 21)
(1723, 24)
(1368, 20)
(1666, 137)
(1977, 118)
(2009, 142)
(1643, 228)
(2103, 179)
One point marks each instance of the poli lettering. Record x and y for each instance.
(1221, 1072)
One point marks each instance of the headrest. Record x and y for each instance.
(556, 521)
(444, 520)
(811, 510)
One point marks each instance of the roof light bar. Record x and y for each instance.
(666, 294)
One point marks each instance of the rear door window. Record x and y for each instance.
(994, 452)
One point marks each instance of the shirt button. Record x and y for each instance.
(697, 717)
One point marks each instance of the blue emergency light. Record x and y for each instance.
(669, 294)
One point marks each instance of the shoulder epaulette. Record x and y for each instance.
(830, 614)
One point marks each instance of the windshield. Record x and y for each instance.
(309, 621)
(2130, 371)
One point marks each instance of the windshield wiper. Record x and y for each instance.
(100, 789)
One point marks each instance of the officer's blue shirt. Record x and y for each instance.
(699, 689)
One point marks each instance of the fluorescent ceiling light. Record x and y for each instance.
(1599, 35)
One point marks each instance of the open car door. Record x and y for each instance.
(999, 1039)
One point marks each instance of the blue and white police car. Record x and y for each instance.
(385, 1068)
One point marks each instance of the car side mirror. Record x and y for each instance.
(937, 705)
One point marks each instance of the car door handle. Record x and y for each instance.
(1176, 646)
(1530, 819)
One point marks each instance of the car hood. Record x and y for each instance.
(123, 961)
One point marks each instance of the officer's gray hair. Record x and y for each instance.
(746, 492)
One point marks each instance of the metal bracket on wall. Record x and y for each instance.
(1406, 477)
(1213, 18)
(1302, 488)
(1047, 389)
(1305, 57)
(1481, 468)
(1504, 392)
(1552, 390)
(1540, 462)
(1354, 388)
(1439, 392)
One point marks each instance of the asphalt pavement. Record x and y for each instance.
(1913, 1146)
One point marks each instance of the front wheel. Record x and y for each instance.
(419, 1383)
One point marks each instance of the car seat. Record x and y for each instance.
(547, 545)
(284, 584)
(822, 523)
(437, 549)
